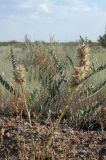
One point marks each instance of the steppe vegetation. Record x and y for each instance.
(52, 100)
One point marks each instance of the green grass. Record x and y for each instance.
(97, 56)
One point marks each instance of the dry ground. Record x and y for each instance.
(67, 144)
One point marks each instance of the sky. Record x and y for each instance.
(66, 20)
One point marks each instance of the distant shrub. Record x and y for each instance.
(102, 40)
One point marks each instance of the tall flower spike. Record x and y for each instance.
(18, 70)
(81, 71)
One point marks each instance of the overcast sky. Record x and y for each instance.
(65, 19)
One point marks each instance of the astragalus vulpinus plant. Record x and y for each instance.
(57, 78)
